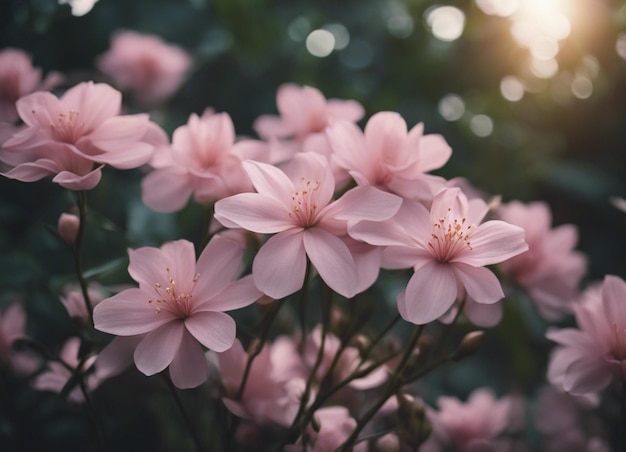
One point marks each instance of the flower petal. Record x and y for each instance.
(431, 291)
(481, 284)
(128, 313)
(254, 212)
(157, 350)
(214, 330)
(279, 266)
(614, 300)
(189, 368)
(365, 203)
(269, 180)
(217, 266)
(481, 314)
(237, 294)
(332, 259)
(586, 374)
(493, 242)
(166, 190)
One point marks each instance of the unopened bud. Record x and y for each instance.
(360, 342)
(339, 322)
(67, 227)
(470, 343)
(415, 428)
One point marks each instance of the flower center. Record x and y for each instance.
(68, 127)
(304, 207)
(169, 299)
(450, 237)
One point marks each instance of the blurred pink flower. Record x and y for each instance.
(304, 116)
(74, 301)
(274, 385)
(471, 426)
(203, 161)
(66, 137)
(145, 66)
(550, 270)
(304, 111)
(448, 249)
(18, 78)
(349, 362)
(12, 327)
(297, 207)
(180, 304)
(590, 357)
(56, 375)
(335, 427)
(389, 157)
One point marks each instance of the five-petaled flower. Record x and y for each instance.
(447, 248)
(180, 304)
(72, 137)
(297, 208)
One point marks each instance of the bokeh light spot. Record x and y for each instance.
(341, 34)
(582, 87)
(512, 88)
(299, 28)
(620, 45)
(320, 43)
(481, 125)
(451, 107)
(446, 22)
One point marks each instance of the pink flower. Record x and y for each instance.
(335, 427)
(550, 270)
(18, 78)
(304, 111)
(12, 327)
(204, 160)
(56, 375)
(274, 386)
(304, 116)
(297, 207)
(590, 357)
(147, 67)
(348, 363)
(68, 137)
(388, 157)
(74, 301)
(179, 304)
(447, 248)
(471, 426)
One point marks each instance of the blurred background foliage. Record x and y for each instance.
(526, 120)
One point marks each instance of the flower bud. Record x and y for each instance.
(414, 428)
(361, 343)
(469, 344)
(67, 227)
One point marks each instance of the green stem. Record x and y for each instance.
(395, 382)
(297, 427)
(92, 414)
(266, 323)
(302, 307)
(81, 201)
(183, 412)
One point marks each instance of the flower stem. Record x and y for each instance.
(395, 382)
(81, 201)
(266, 323)
(183, 412)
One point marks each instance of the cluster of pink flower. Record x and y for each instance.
(323, 198)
